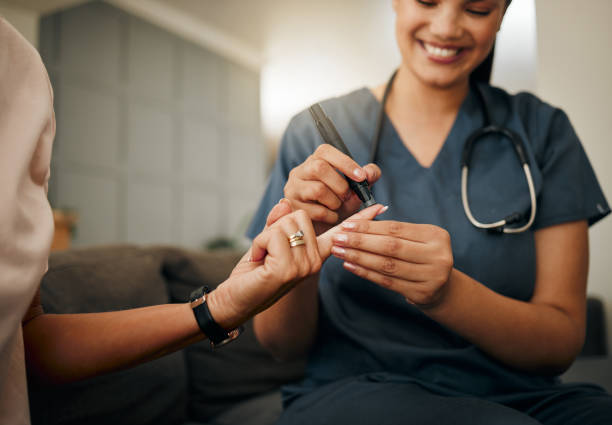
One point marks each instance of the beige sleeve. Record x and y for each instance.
(27, 128)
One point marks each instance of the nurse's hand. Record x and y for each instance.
(317, 187)
(414, 260)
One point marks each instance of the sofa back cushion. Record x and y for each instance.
(106, 279)
(222, 378)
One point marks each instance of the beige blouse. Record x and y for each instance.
(27, 128)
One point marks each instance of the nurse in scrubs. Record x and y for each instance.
(422, 317)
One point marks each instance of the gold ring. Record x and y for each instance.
(296, 239)
(297, 242)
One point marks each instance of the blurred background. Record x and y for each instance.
(169, 112)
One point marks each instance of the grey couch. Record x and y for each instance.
(237, 384)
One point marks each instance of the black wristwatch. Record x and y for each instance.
(215, 333)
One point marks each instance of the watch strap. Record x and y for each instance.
(215, 333)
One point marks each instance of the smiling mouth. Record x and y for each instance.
(441, 52)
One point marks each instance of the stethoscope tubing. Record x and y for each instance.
(488, 128)
(501, 224)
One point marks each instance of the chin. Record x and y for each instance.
(443, 81)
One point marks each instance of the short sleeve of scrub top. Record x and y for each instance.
(375, 328)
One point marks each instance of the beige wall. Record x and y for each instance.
(25, 21)
(575, 73)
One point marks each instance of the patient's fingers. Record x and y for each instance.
(258, 250)
(259, 246)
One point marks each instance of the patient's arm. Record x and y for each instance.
(68, 347)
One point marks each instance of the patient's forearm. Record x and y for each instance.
(68, 347)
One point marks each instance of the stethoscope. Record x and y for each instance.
(487, 129)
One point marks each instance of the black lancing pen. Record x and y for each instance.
(330, 135)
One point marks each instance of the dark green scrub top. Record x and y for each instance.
(366, 329)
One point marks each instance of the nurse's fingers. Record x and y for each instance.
(316, 212)
(400, 286)
(414, 272)
(409, 231)
(279, 210)
(387, 246)
(344, 163)
(373, 172)
(414, 292)
(309, 186)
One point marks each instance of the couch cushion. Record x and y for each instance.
(223, 378)
(106, 279)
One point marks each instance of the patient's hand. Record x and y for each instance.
(272, 267)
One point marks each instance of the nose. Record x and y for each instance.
(445, 25)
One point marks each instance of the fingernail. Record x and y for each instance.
(349, 225)
(383, 209)
(358, 172)
(340, 237)
(284, 201)
(338, 252)
(349, 266)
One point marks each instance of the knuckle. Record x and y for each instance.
(448, 260)
(430, 230)
(395, 228)
(443, 235)
(389, 265)
(303, 268)
(419, 298)
(315, 265)
(292, 271)
(350, 256)
(322, 150)
(318, 191)
(301, 215)
(386, 281)
(319, 149)
(319, 214)
(361, 226)
(318, 167)
(292, 173)
(445, 259)
(391, 246)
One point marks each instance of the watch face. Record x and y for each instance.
(232, 335)
(196, 294)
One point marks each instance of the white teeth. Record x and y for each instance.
(440, 52)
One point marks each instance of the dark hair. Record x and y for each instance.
(482, 73)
